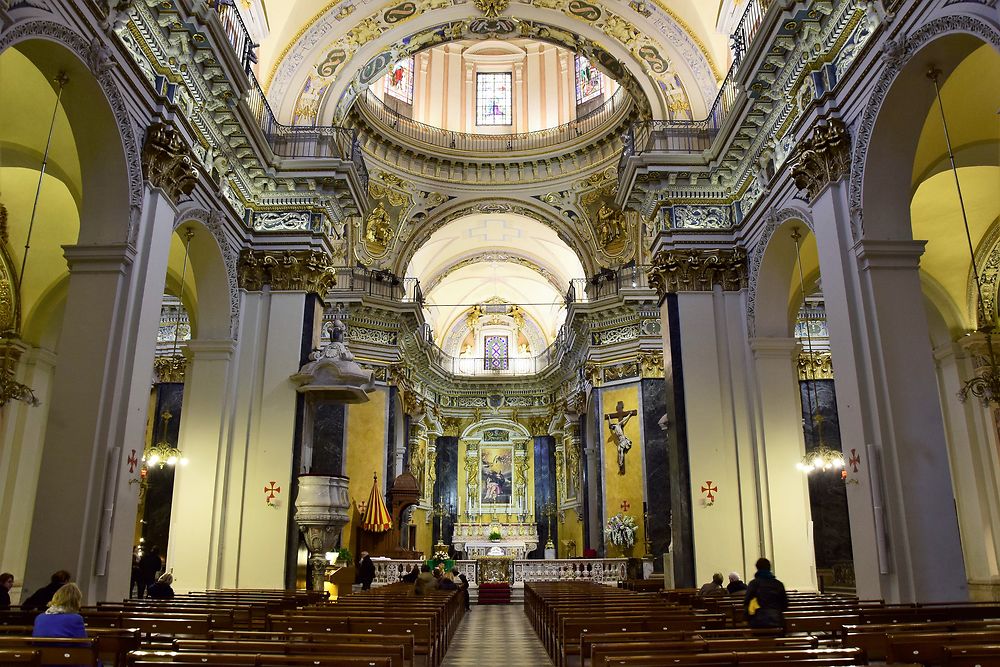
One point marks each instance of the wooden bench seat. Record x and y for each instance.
(55, 651)
(395, 653)
(816, 657)
(977, 655)
(20, 657)
(144, 658)
(927, 648)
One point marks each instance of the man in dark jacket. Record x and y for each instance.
(464, 585)
(736, 584)
(765, 601)
(40, 598)
(6, 583)
(149, 565)
(366, 571)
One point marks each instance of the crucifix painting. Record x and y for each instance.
(616, 422)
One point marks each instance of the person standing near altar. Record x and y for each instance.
(464, 585)
(366, 571)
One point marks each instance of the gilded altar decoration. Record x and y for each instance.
(169, 369)
(166, 161)
(651, 364)
(816, 366)
(822, 158)
(378, 229)
(492, 8)
(698, 270)
(610, 228)
(288, 270)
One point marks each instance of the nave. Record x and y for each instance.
(496, 633)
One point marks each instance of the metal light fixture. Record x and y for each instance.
(986, 385)
(823, 458)
(10, 339)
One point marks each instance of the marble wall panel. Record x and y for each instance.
(682, 532)
(446, 483)
(160, 481)
(328, 439)
(545, 491)
(658, 486)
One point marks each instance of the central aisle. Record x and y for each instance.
(496, 634)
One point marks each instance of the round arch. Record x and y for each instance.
(106, 144)
(890, 128)
(213, 265)
(771, 267)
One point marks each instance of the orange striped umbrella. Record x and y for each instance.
(376, 518)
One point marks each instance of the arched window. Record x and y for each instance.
(399, 80)
(493, 101)
(589, 82)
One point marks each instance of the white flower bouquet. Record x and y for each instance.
(621, 530)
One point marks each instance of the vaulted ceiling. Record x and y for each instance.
(676, 50)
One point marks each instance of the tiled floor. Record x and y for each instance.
(496, 635)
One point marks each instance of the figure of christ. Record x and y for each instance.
(622, 441)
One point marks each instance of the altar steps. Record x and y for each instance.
(494, 594)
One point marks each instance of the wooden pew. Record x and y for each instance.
(927, 648)
(55, 651)
(405, 641)
(395, 653)
(19, 657)
(148, 658)
(979, 655)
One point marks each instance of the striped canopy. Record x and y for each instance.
(376, 518)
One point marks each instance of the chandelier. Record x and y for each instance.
(10, 336)
(986, 385)
(823, 458)
(163, 453)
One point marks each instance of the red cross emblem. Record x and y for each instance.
(132, 462)
(271, 492)
(855, 460)
(625, 506)
(709, 490)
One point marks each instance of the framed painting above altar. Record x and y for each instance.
(496, 475)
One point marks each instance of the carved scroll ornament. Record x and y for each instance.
(822, 158)
(698, 270)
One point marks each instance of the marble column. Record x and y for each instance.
(904, 528)
(200, 487)
(786, 514)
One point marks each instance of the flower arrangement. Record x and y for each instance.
(441, 555)
(621, 530)
(495, 536)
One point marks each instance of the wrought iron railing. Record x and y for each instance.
(289, 141)
(613, 109)
(607, 283)
(384, 284)
(697, 136)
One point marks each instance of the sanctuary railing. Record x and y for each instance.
(614, 108)
(696, 136)
(606, 571)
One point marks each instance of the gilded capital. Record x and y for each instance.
(167, 162)
(698, 270)
(169, 369)
(824, 157)
(288, 270)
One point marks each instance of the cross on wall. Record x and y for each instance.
(855, 460)
(626, 506)
(709, 490)
(133, 461)
(271, 492)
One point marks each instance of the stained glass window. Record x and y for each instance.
(399, 80)
(493, 98)
(496, 353)
(589, 82)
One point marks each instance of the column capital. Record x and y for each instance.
(879, 254)
(167, 162)
(209, 350)
(774, 348)
(287, 270)
(822, 158)
(698, 270)
(109, 258)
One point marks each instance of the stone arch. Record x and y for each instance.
(781, 219)
(889, 128)
(495, 422)
(446, 214)
(91, 71)
(219, 262)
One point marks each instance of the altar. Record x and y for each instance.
(517, 539)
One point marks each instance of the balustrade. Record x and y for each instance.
(606, 571)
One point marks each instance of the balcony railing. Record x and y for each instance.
(614, 108)
(608, 283)
(384, 284)
(696, 136)
(289, 141)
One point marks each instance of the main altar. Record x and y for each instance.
(517, 539)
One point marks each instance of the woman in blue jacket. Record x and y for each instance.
(62, 618)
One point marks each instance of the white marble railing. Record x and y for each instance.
(607, 571)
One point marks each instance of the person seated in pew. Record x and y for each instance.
(6, 583)
(62, 618)
(447, 582)
(425, 581)
(40, 598)
(736, 585)
(713, 587)
(411, 576)
(162, 590)
(464, 585)
(765, 600)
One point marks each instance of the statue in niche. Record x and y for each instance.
(417, 461)
(616, 422)
(610, 226)
(472, 319)
(378, 229)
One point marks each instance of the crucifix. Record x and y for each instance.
(622, 441)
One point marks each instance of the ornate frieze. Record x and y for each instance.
(822, 158)
(167, 162)
(701, 217)
(816, 366)
(289, 270)
(621, 371)
(282, 221)
(698, 270)
(651, 364)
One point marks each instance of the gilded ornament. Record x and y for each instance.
(492, 8)
(289, 270)
(167, 162)
(169, 369)
(378, 229)
(611, 228)
(822, 159)
(698, 270)
(651, 364)
(815, 366)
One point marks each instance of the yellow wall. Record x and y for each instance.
(570, 529)
(364, 456)
(424, 532)
(629, 486)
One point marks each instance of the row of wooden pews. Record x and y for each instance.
(387, 627)
(585, 625)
